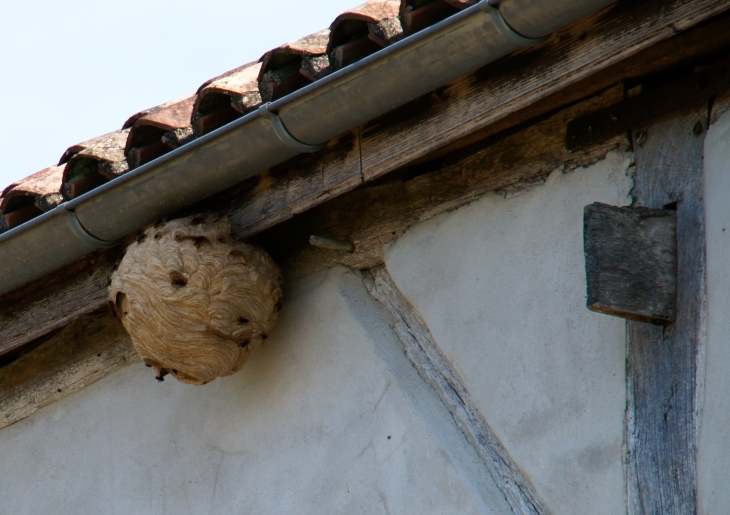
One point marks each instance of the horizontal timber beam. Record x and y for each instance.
(391, 142)
(649, 105)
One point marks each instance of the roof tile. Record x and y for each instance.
(417, 17)
(28, 198)
(94, 162)
(225, 98)
(43, 187)
(150, 133)
(364, 30)
(158, 130)
(293, 65)
(371, 11)
(462, 4)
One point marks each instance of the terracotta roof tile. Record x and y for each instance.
(386, 32)
(419, 14)
(462, 4)
(362, 31)
(224, 98)
(371, 11)
(94, 162)
(293, 65)
(156, 131)
(28, 198)
(150, 133)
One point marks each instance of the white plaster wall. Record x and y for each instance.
(713, 460)
(328, 417)
(501, 283)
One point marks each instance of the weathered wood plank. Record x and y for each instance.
(631, 262)
(82, 352)
(699, 45)
(51, 302)
(296, 186)
(570, 56)
(372, 216)
(663, 378)
(435, 369)
(651, 105)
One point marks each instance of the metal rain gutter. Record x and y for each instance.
(300, 122)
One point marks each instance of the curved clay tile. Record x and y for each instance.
(156, 131)
(462, 4)
(417, 15)
(371, 11)
(94, 162)
(224, 98)
(361, 31)
(353, 35)
(28, 198)
(294, 65)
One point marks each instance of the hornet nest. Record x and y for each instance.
(196, 303)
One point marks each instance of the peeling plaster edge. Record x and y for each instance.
(425, 354)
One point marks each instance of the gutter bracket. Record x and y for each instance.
(81, 232)
(283, 134)
(503, 27)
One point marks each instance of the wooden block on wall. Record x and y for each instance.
(631, 262)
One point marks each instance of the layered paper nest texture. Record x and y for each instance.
(196, 303)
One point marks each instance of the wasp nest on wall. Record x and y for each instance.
(196, 303)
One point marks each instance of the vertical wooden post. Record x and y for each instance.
(664, 363)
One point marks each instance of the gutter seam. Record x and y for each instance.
(283, 134)
(81, 232)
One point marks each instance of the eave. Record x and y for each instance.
(441, 134)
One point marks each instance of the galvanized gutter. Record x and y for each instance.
(300, 122)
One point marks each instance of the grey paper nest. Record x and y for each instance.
(196, 303)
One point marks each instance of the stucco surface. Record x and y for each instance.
(501, 283)
(329, 416)
(713, 460)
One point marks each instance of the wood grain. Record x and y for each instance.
(496, 92)
(677, 55)
(664, 363)
(295, 186)
(374, 215)
(51, 302)
(631, 262)
(435, 369)
(84, 351)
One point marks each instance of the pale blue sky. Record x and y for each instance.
(76, 69)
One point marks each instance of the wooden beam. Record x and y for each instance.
(51, 302)
(698, 45)
(372, 216)
(433, 366)
(82, 352)
(529, 83)
(496, 92)
(654, 103)
(631, 262)
(662, 364)
(375, 215)
(294, 187)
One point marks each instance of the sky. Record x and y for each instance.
(76, 69)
